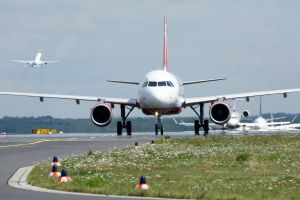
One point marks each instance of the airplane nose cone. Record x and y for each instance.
(160, 100)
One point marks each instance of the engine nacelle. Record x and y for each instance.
(101, 114)
(220, 113)
(246, 113)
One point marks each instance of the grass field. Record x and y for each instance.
(215, 167)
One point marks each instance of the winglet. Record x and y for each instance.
(165, 55)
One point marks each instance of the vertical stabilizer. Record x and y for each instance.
(165, 58)
(260, 110)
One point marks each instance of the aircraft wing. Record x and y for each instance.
(49, 61)
(125, 101)
(295, 125)
(249, 124)
(277, 123)
(276, 118)
(197, 100)
(28, 62)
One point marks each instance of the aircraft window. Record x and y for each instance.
(145, 84)
(152, 84)
(170, 84)
(162, 83)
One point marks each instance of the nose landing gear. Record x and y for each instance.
(159, 126)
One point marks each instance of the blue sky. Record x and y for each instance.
(255, 44)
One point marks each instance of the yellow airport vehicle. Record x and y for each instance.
(44, 131)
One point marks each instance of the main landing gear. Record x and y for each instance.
(200, 123)
(123, 124)
(159, 126)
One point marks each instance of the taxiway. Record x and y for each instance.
(20, 151)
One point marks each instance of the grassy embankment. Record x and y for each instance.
(254, 167)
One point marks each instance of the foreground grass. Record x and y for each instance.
(254, 167)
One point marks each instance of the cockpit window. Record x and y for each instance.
(170, 84)
(152, 84)
(162, 83)
(145, 84)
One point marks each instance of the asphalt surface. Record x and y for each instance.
(20, 151)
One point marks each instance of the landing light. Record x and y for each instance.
(156, 114)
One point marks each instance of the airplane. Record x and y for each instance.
(160, 93)
(37, 62)
(233, 122)
(259, 124)
(263, 124)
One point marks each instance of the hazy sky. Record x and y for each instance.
(255, 44)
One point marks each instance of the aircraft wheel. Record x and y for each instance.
(156, 129)
(206, 127)
(161, 130)
(196, 127)
(128, 128)
(119, 128)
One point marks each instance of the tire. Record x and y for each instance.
(161, 130)
(156, 129)
(206, 127)
(128, 128)
(196, 127)
(119, 128)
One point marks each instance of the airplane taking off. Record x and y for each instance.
(37, 62)
(161, 93)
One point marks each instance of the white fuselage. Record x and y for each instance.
(37, 60)
(160, 93)
(234, 120)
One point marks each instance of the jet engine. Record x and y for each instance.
(220, 113)
(101, 114)
(246, 113)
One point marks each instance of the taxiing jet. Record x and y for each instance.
(263, 124)
(233, 123)
(159, 94)
(37, 62)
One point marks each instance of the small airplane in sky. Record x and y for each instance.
(159, 94)
(37, 62)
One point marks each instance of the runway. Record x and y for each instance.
(24, 150)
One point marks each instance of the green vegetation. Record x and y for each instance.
(254, 167)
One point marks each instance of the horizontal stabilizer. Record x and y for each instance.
(203, 81)
(124, 82)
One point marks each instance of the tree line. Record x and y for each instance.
(24, 125)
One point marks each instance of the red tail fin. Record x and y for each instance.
(165, 58)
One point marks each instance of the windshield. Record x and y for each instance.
(159, 84)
